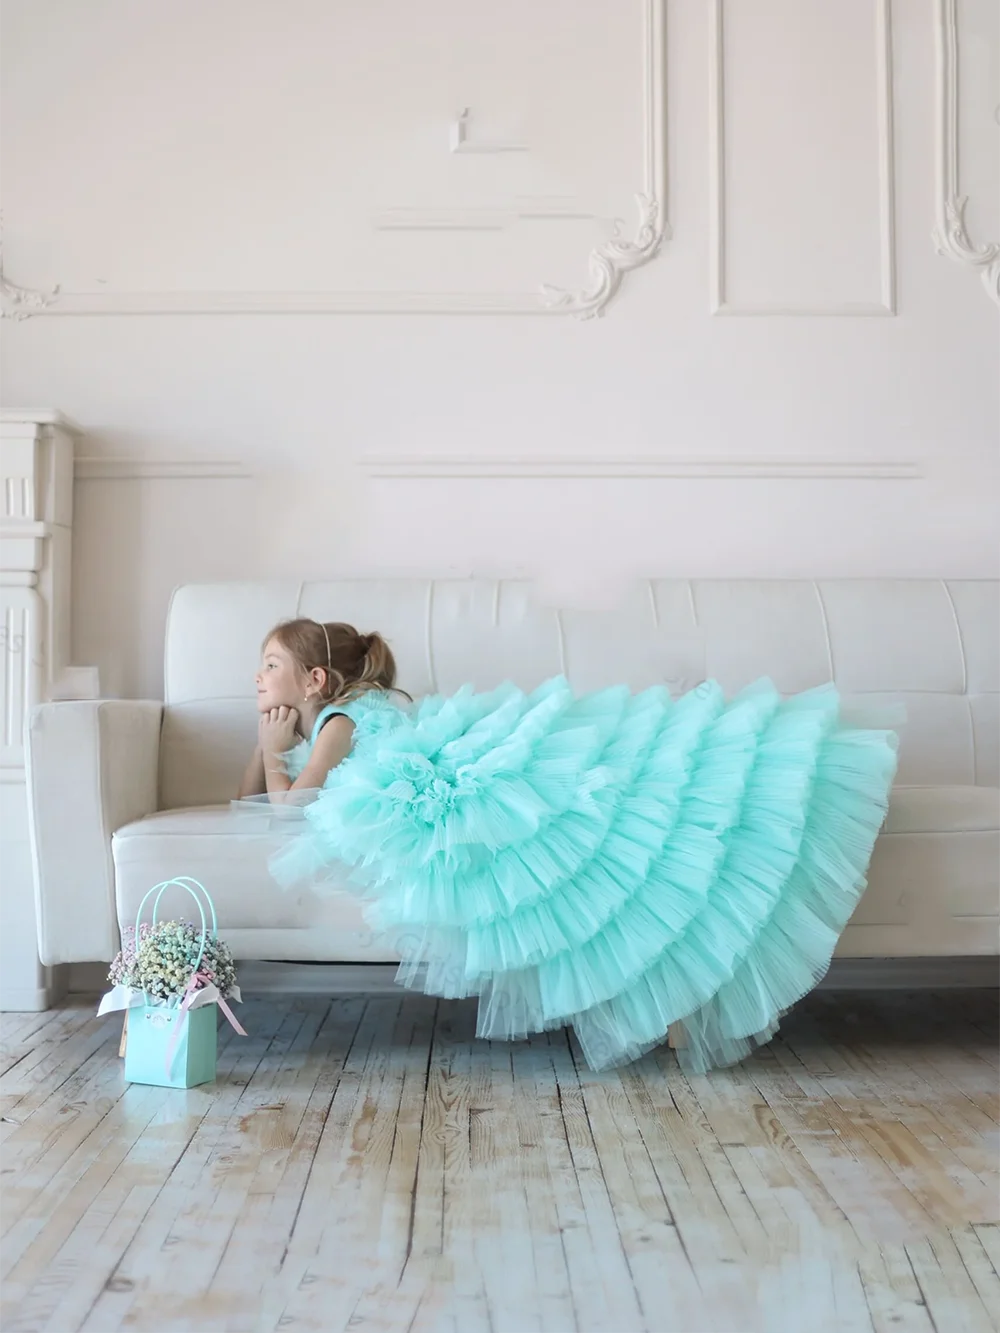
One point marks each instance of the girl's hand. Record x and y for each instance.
(276, 730)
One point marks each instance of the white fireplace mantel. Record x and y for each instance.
(36, 526)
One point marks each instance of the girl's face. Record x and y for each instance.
(281, 682)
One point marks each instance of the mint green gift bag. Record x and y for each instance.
(171, 1047)
(173, 1043)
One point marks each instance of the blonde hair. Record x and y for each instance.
(352, 663)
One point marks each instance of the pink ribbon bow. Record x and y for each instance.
(190, 990)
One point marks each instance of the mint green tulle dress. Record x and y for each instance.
(617, 862)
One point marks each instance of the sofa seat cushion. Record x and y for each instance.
(944, 810)
(932, 886)
(943, 838)
(229, 854)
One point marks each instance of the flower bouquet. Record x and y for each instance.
(168, 977)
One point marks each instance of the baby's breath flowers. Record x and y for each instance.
(161, 961)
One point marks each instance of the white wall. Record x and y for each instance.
(260, 156)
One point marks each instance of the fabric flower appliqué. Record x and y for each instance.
(427, 792)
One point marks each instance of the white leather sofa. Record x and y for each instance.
(125, 793)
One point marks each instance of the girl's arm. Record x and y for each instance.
(254, 783)
(333, 745)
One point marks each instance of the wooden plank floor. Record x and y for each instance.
(365, 1164)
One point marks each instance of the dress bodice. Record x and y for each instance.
(364, 711)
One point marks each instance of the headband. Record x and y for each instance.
(364, 639)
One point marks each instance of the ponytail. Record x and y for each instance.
(378, 666)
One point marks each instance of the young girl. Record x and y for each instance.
(621, 863)
(308, 669)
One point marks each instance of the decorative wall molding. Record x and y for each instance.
(163, 469)
(459, 141)
(610, 262)
(720, 304)
(951, 236)
(678, 469)
(290, 303)
(417, 468)
(445, 218)
(528, 208)
(36, 521)
(29, 419)
(22, 669)
(36, 516)
(607, 264)
(21, 302)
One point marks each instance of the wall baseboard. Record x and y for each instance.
(913, 974)
(17, 1000)
(262, 978)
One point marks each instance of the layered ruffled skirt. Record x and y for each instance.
(617, 862)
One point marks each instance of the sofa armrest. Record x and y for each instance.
(92, 766)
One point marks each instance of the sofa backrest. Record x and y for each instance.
(931, 643)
